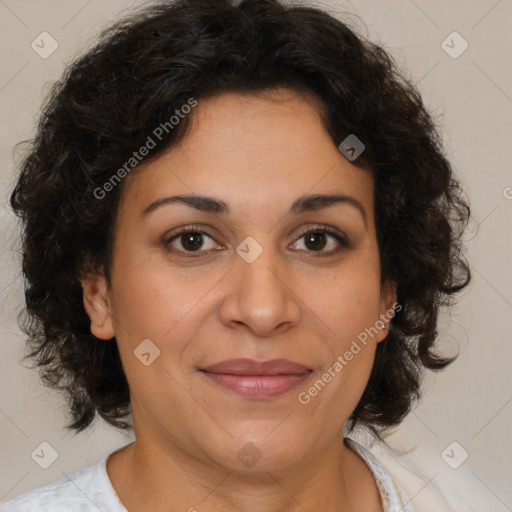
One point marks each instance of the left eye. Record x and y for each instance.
(317, 240)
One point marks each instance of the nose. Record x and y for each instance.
(260, 297)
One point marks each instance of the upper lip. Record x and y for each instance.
(252, 367)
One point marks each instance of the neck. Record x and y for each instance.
(149, 475)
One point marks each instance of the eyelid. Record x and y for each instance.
(195, 228)
(189, 228)
(323, 228)
(344, 243)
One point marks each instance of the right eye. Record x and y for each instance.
(192, 240)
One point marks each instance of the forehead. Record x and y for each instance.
(257, 151)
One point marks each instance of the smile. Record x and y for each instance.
(257, 379)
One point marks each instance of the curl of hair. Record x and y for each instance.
(147, 66)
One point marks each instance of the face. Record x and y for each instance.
(259, 271)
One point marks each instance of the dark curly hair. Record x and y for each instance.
(147, 66)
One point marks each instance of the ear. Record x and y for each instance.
(97, 305)
(386, 309)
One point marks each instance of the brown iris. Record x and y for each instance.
(315, 241)
(192, 241)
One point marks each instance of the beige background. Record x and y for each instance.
(471, 96)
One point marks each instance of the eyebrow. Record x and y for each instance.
(304, 204)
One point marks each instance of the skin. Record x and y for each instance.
(257, 153)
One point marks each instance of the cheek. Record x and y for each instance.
(157, 303)
(151, 299)
(347, 302)
(348, 357)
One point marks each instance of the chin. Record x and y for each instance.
(257, 453)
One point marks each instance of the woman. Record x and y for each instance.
(239, 227)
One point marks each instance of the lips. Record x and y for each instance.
(257, 378)
(251, 367)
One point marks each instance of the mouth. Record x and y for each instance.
(258, 379)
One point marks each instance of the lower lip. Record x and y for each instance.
(262, 386)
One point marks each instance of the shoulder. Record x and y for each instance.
(87, 490)
(429, 481)
(394, 497)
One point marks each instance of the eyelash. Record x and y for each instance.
(195, 229)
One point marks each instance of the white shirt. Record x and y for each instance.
(90, 490)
